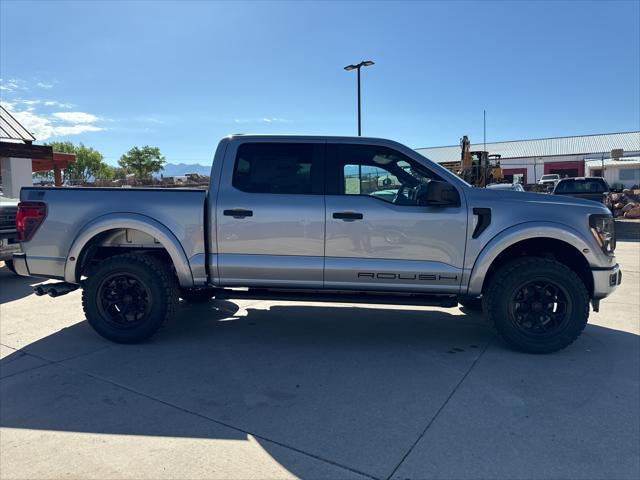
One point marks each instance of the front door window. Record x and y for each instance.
(377, 172)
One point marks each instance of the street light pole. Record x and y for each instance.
(359, 111)
(364, 63)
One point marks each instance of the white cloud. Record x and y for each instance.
(76, 117)
(76, 129)
(262, 120)
(150, 119)
(12, 84)
(44, 127)
(54, 103)
(39, 126)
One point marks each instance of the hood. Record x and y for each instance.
(540, 198)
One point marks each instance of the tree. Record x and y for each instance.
(89, 162)
(142, 162)
(111, 173)
(43, 176)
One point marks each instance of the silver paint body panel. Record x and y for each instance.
(292, 241)
(281, 244)
(76, 216)
(399, 239)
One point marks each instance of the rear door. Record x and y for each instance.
(270, 215)
(377, 236)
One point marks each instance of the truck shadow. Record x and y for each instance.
(354, 385)
(14, 287)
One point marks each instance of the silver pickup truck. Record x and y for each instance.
(323, 219)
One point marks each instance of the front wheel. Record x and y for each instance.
(126, 298)
(537, 305)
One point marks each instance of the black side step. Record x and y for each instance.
(390, 298)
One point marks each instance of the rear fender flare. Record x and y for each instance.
(136, 222)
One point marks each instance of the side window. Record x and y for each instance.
(284, 168)
(378, 172)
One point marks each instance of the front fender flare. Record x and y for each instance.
(136, 222)
(518, 233)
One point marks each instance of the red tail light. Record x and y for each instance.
(29, 217)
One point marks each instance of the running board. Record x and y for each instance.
(445, 301)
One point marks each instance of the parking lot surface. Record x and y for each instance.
(258, 389)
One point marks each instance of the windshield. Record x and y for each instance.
(549, 177)
(595, 185)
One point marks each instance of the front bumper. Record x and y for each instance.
(605, 281)
(20, 264)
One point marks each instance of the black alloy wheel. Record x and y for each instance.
(540, 307)
(124, 301)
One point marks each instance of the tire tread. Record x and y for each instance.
(165, 277)
(499, 282)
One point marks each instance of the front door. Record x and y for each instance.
(270, 215)
(377, 236)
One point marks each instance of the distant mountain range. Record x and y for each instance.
(176, 169)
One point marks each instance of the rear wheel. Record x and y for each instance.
(126, 298)
(538, 305)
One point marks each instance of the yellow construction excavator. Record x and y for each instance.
(478, 168)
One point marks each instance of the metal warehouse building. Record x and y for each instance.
(527, 160)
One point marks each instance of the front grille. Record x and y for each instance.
(8, 218)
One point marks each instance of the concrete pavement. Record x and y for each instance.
(260, 389)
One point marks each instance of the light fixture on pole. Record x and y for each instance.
(358, 66)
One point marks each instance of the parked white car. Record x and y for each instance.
(549, 180)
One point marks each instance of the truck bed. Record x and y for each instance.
(72, 210)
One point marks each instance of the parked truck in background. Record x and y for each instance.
(589, 188)
(9, 243)
(323, 218)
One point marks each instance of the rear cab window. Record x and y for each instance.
(279, 168)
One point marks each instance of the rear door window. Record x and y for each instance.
(279, 168)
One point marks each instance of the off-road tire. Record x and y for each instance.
(153, 274)
(197, 295)
(10, 266)
(503, 285)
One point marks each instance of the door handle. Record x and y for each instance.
(238, 213)
(348, 216)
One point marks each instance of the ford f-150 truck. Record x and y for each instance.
(323, 218)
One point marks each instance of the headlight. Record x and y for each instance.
(603, 230)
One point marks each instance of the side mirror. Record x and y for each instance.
(438, 194)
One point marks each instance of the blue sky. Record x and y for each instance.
(180, 75)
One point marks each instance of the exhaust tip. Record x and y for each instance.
(39, 290)
(53, 292)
